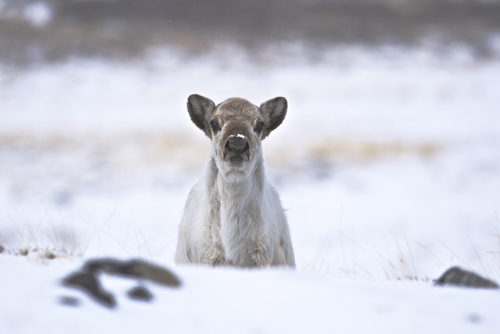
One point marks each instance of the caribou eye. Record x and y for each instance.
(259, 127)
(215, 126)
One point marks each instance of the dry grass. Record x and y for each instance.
(396, 258)
(161, 149)
(368, 151)
(318, 158)
(46, 239)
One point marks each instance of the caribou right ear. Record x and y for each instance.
(201, 110)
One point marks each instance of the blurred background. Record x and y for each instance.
(388, 161)
(35, 32)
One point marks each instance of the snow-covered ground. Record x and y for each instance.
(388, 164)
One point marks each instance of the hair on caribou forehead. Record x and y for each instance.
(236, 105)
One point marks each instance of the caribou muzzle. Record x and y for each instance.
(237, 150)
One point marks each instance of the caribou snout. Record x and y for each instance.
(237, 150)
(237, 144)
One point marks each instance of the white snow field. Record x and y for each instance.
(388, 164)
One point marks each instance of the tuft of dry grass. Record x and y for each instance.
(47, 238)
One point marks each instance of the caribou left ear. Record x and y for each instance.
(273, 112)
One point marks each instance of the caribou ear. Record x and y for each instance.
(274, 112)
(201, 110)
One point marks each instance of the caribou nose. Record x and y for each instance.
(237, 144)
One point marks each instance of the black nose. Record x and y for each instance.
(237, 144)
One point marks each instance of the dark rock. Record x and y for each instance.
(1, 249)
(134, 269)
(474, 318)
(69, 301)
(89, 283)
(459, 277)
(49, 255)
(87, 279)
(140, 293)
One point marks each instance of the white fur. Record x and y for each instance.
(234, 216)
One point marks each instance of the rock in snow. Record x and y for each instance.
(459, 277)
(87, 279)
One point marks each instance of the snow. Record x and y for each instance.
(225, 301)
(38, 13)
(239, 135)
(388, 165)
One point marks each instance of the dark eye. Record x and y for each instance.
(259, 127)
(215, 126)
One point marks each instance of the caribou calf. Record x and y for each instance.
(233, 216)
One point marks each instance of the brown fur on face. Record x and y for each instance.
(203, 110)
(237, 117)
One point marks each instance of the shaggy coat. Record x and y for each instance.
(233, 216)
